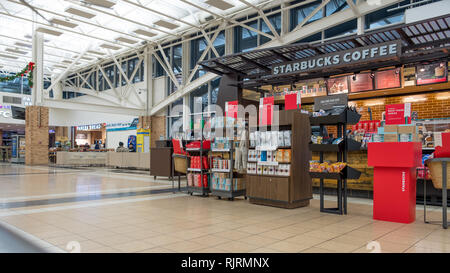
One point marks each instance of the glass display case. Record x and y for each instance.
(429, 130)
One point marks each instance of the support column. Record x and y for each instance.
(148, 77)
(36, 135)
(157, 125)
(38, 73)
(361, 22)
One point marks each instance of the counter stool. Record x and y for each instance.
(439, 175)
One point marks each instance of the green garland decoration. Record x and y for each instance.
(27, 71)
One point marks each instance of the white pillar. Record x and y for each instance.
(361, 25)
(148, 78)
(38, 74)
(57, 89)
(186, 113)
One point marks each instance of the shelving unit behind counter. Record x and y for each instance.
(289, 187)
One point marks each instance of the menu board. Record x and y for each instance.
(337, 85)
(361, 82)
(387, 79)
(409, 76)
(431, 73)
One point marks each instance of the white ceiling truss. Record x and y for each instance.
(117, 25)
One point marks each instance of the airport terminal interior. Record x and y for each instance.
(224, 126)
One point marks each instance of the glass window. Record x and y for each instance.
(116, 77)
(311, 38)
(100, 81)
(124, 69)
(158, 70)
(219, 44)
(245, 39)
(198, 46)
(142, 71)
(199, 99)
(345, 28)
(275, 20)
(110, 74)
(177, 53)
(131, 66)
(214, 90)
(298, 14)
(335, 6)
(384, 17)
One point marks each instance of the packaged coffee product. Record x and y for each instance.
(257, 139)
(274, 138)
(280, 138)
(279, 156)
(287, 155)
(287, 138)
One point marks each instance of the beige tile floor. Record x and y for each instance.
(180, 223)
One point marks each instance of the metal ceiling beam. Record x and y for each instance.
(122, 18)
(62, 29)
(314, 27)
(229, 20)
(92, 107)
(263, 16)
(74, 18)
(307, 18)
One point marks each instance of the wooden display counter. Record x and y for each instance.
(64, 158)
(128, 160)
(291, 191)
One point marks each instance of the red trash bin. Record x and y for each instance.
(394, 179)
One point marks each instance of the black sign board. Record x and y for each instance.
(330, 102)
(370, 53)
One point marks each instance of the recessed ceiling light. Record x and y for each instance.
(23, 44)
(220, 4)
(165, 24)
(16, 51)
(63, 23)
(96, 52)
(79, 12)
(8, 56)
(101, 3)
(145, 32)
(126, 40)
(60, 66)
(49, 31)
(69, 62)
(83, 58)
(110, 46)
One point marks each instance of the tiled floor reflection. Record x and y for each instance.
(167, 222)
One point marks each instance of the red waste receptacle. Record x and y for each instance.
(394, 179)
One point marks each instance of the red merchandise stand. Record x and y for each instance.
(394, 179)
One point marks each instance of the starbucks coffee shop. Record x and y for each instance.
(404, 65)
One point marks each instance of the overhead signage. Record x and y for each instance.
(337, 85)
(361, 82)
(330, 102)
(338, 59)
(387, 79)
(89, 127)
(431, 73)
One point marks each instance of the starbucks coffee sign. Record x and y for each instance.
(352, 56)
